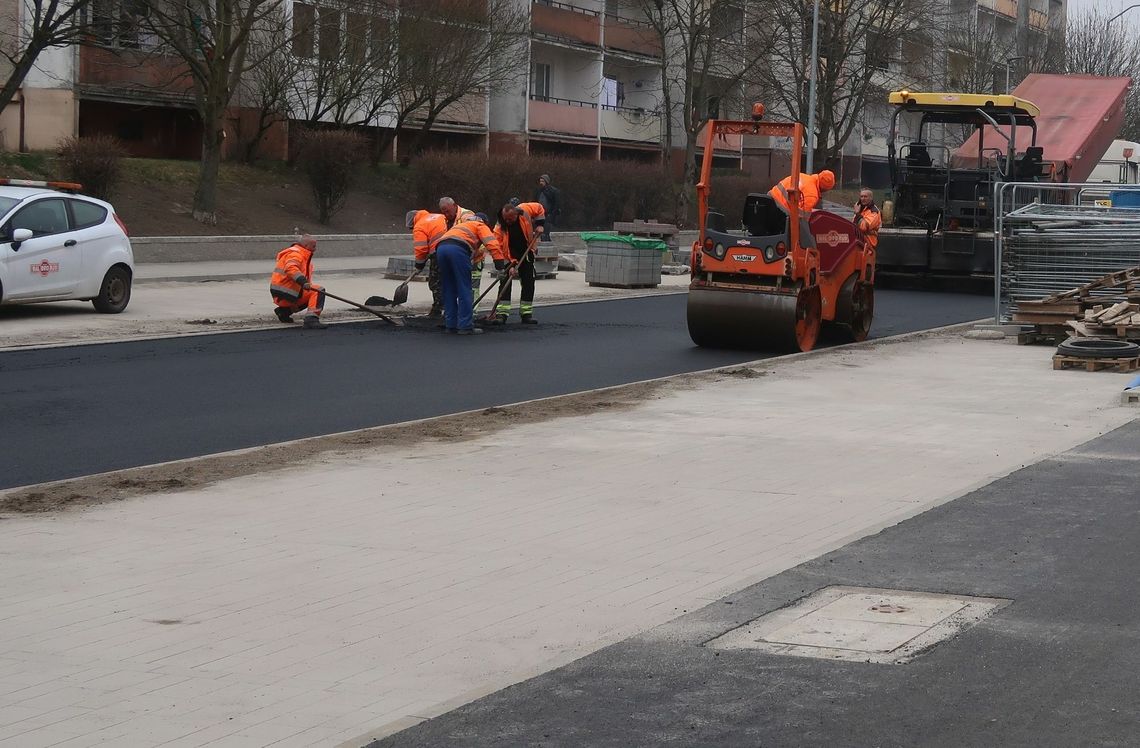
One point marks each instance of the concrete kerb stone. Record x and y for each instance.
(694, 377)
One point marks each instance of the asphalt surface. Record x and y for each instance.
(1059, 666)
(67, 412)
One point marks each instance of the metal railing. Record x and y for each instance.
(568, 6)
(565, 102)
(1050, 238)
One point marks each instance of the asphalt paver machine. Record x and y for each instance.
(775, 282)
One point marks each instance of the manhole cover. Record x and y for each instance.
(861, 624)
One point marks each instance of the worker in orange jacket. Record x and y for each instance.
(518, 227)
(292, 287)
(868, 218)
(460, 248)
(812, 187)
(454, 214)
(427, 228)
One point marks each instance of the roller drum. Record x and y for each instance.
(722, 318)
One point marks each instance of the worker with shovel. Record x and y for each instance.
(292, 287)
(427, 228)
(519, 227)
(458, 250)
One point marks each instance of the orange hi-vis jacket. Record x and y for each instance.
(426, 232)
(809, 191)
(294, 269)
(476, 236)
(529, 214)
(869, 220)
(461, 215)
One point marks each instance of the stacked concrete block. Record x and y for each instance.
(402, 267)
(617, 264)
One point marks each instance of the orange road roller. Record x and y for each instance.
(776, 282)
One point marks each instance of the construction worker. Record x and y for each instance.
(868, 218)
(812, 187)
(292, 287)
(518, 227)
(427, 228)
(461, 247)
(454, 214)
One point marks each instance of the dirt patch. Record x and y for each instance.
(203, 471)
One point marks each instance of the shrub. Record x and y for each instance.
(94, 162)
(594, 194)
(331, 160)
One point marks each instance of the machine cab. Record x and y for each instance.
(937, 188)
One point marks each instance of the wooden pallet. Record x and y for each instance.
(1127, 332)
(1096, 364)
(1041, 337)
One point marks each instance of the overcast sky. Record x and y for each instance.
(1115, 6)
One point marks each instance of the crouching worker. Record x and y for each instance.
(458, 250)
(292, 287)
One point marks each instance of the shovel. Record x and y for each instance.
(385, 317)
(504, 281)
(401, 293)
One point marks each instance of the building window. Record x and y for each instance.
(727, 23)
(121, 23)
(879, 51)
(329, 34)
(613, 92)
(540, 82)
(304, 17)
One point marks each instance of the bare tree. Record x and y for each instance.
(449, 50)
(266, 88)
(859, 55)
(32, 27)
(212, 39)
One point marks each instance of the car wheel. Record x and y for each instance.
(115, 292)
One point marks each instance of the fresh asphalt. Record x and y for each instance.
(67, 412)
(1059, 666)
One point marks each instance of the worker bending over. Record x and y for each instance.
(456, 214)
(427, 228)
(518, 228)
(458, 250)
(812, 187)
(868, 218)
(292, 287)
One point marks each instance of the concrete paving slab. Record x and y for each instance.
(367, 592)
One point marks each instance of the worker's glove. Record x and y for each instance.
(307, 286)
(500, 264)
(539, 229)
(513, 270)
(421, 265)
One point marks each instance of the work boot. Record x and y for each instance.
(470, 331)
(283, 315)
(498, 319)
(528, 319)
(313, 322)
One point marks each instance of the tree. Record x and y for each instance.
(266, 89)
(859, 44)
(38, 25)
(212, 39)
(449, 50)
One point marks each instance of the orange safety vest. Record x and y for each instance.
(294, 268)
(809, 191)
(869, 220)
(528, 214)
(476, 236)
(426, 232)
(461, 215)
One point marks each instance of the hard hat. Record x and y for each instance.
(410, 218)
(826, 179)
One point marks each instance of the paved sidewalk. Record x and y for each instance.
(160, 309)
(348, 598)
(1057, 667)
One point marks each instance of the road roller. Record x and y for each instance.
(784, 275)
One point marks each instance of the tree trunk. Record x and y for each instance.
(206, 196)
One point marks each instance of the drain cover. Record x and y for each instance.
(861, 624)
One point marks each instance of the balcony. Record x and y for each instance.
(1038, 19)
(629, 35)
(565, 22)
(1002, 7)
(469, 112)
(623, 123)
(133, 75)
(564, 116)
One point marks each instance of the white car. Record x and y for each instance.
(60, 246)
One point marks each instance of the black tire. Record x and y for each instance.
(114, 292)
(1098, 348)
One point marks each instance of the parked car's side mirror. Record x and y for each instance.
(19, 236)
